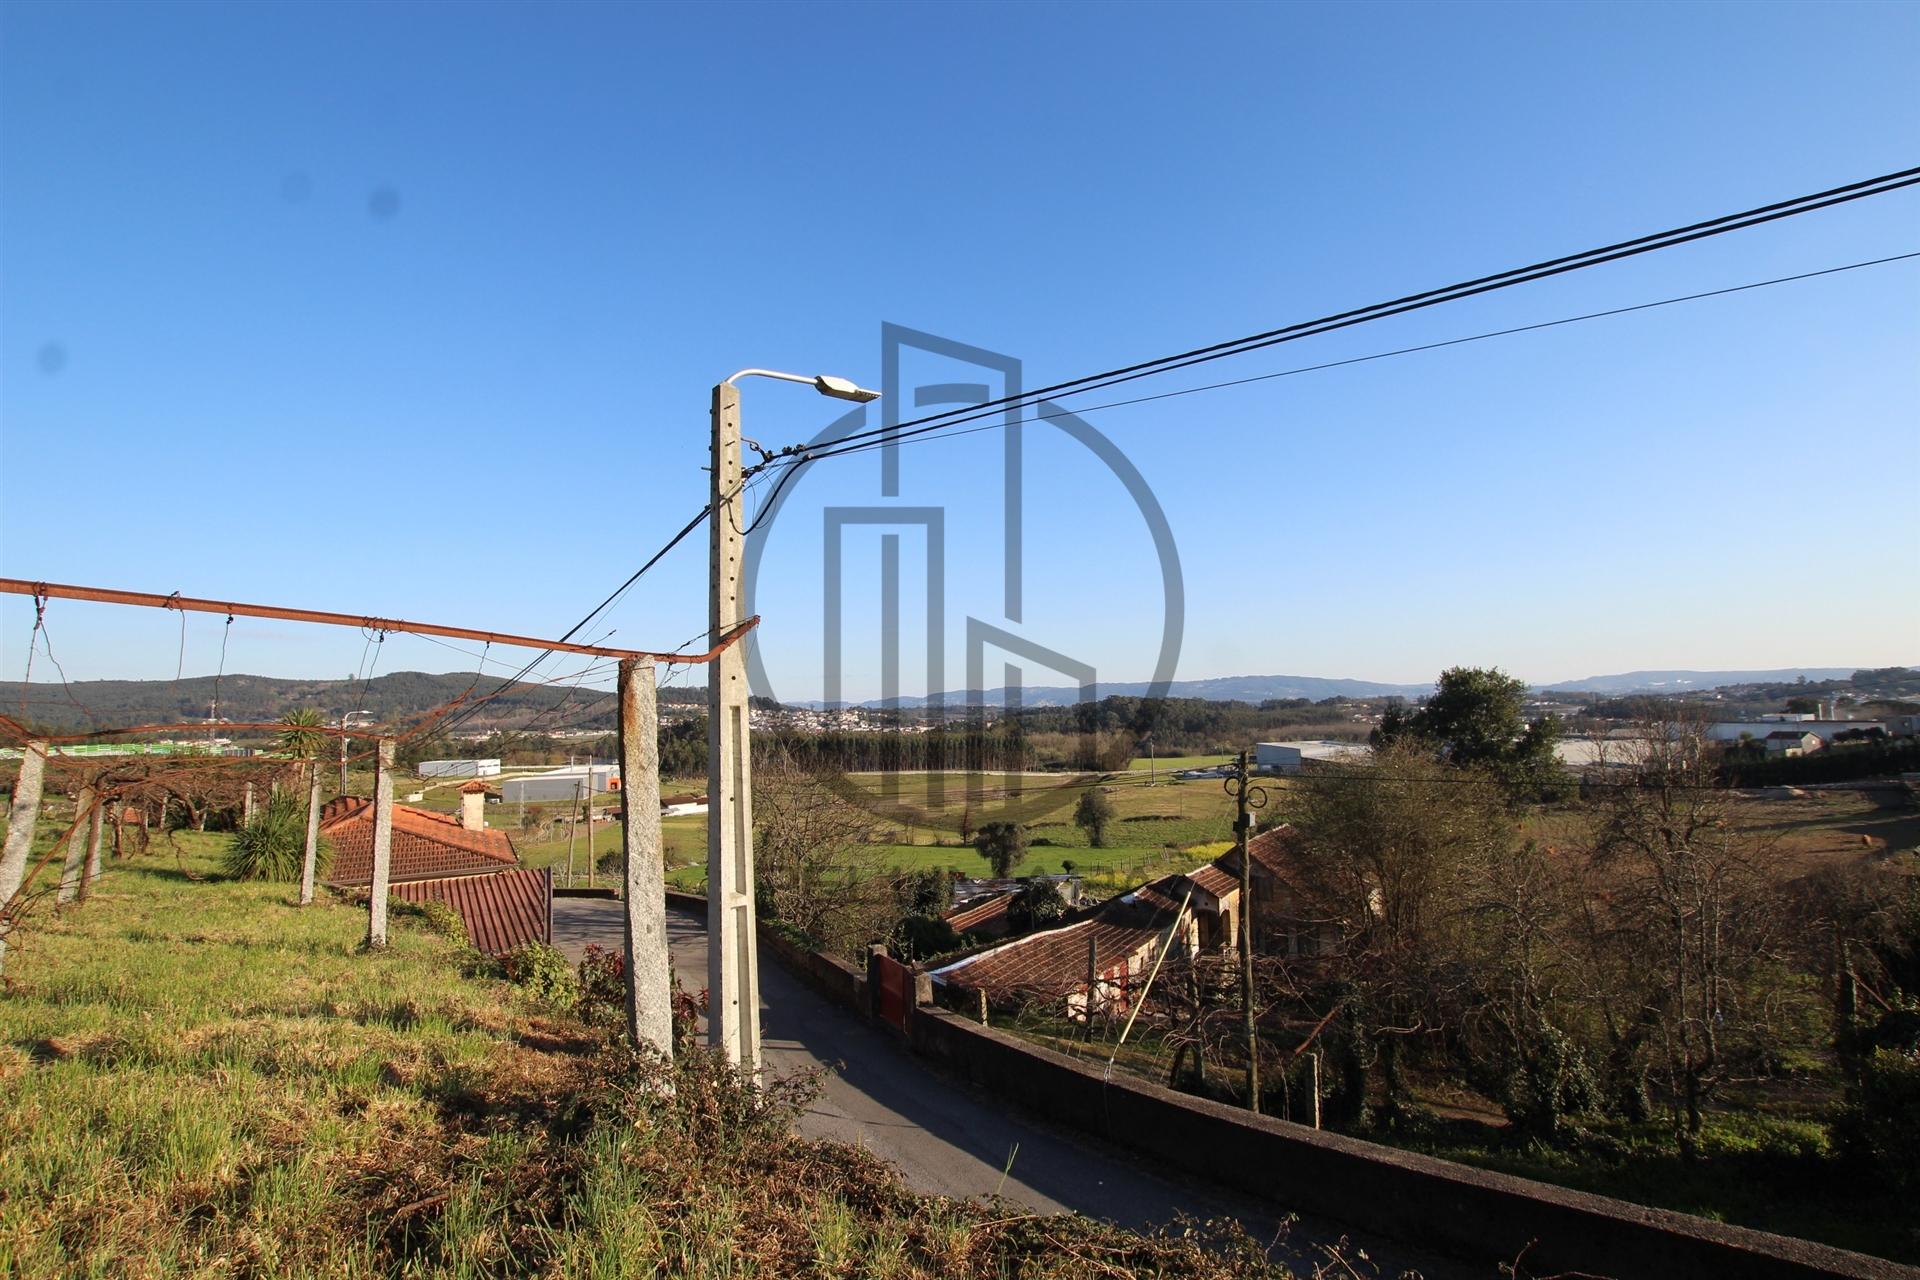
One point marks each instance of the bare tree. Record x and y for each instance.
(1401, 838)
(813, 869)
(1681, 917)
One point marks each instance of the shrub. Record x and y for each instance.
(1881, 1123)
(603, 987)
(435, 917)
(273, 846)
(923, 937)
(544, 972)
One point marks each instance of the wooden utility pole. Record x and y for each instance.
(1199, 1021)
(733, 958)
(649, 966)
(382, 846)
(312, 854)
(1245, 795)
(75, 865)
(1093, 980)
(22, 818)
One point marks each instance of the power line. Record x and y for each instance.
(940, 422)
(940, 434)
(1411, 302)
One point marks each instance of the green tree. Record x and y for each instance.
(1474, 718)
(1093, 815)
(1003, 845)
(1036, 905)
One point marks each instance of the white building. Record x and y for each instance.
(565, 783)
(1287, 757)
(459, 768)
(1825, 730)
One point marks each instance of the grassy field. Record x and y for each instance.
(198, 1078)
(685, 839)
(1140, 764)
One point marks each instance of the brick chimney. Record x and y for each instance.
(473, 806)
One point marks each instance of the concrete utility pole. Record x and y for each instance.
(733, 966)
(733, 961)
(382, 846)
(246, 809)
(1243, 836)
(312, 855)
(21, 821)
(75, 864)
(649, 969)
(573, 828)
(94, 836)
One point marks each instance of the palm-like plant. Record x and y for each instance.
(299, 739)
(273, 846)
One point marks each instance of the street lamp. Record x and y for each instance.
(826, 384)
(344, 723)
(733, 969)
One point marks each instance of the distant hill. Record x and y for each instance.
(403, 697)
(1253, 689)
(1693, 681)
(400, 698)
(1256, 689)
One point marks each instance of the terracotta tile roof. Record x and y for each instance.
(501, 911)
(426, 844)
(986, 915)
(1276, 853)
(1054, 961)
(1215, 879)
(477, 786)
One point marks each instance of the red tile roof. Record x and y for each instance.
(477, 786)
(1215, 879)
(1054, 961)
(501, 911)
(986, 915)
(1276, 852)
(426, 844)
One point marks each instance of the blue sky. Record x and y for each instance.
(413, 311)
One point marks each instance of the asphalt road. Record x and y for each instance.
(947, 1138)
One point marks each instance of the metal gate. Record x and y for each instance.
(894, 981)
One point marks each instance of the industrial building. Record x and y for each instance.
(1287, 757)
(459, 768)
(1825, 730)
(565, 783)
